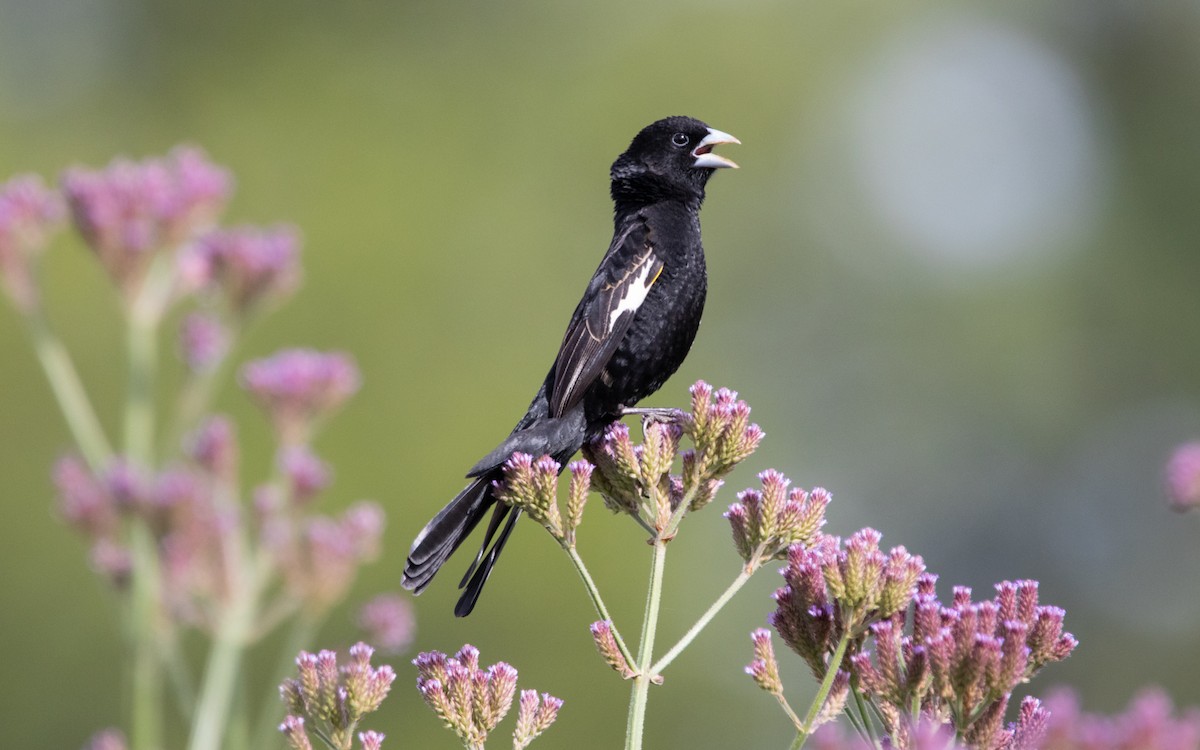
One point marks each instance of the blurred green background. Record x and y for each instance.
(957, 277)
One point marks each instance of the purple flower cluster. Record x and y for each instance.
(299, 387)
(767, 522)
(194, 513)
(833, 590)
(1149, 723)
(961, 662)
(388, 622)
(336, 698)
(1182, 477)
(29, 213)
(472, 701)
(129, 211)
(319, 556)
(635, 478)
(953, 664)
(248, 265)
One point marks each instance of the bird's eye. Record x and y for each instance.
(680, 139)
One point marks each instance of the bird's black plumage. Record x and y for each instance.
(630, 332)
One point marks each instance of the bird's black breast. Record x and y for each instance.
(665, 326)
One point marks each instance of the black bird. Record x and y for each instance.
(629, 333)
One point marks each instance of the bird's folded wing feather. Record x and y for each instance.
(604, 314)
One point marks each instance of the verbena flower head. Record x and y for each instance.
(719, 426)
(606, 644)
(469, 700)
(1182, 477)
(834, 588)
(249, 265)
(764, 668)
(129, 211)
(336, 698)
(388, 622)
(766, 522)
(534, 716)
(29, 214)
(960, 663)
(532, 486)
(298, 387)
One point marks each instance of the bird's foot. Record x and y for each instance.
(661, 414)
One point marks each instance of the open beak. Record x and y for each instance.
(704, 150)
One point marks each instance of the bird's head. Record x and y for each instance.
(669, 159)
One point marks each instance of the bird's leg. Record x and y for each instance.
(663, 414)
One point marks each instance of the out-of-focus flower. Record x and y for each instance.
(297, 387)
(335, 698)
(83, 501)
(213, 446)
(471, 701)
(306, 474)
(320, 558)
(765, 523)
(129, 211)
(108, 739)
(1150, 722)
(388, 622)
(29, 213)
(1182, 477)
(251, 266)
(203, 342)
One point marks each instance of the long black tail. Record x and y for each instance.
(443, 535)
(439, 539)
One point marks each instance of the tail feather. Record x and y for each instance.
(482, 568)
(559, 437)
(445, 532)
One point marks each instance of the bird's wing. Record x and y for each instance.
(609, 305)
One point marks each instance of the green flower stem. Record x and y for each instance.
(144, 624)
(146, 617)
(787, 709)
(641, 683)
(831, 670)
(224, 660)
(69, 392)
(594, 593)
(707, 617)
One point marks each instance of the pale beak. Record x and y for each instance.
(703, 151)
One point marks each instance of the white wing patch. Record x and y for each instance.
(635, 294)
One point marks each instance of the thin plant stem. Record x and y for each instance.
(831, 670)
(146, 621)
(597, 602)
(146, 721)
(705, 618)
(221, 672)
(69, 392)
(787, 709)
(641, 683)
